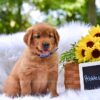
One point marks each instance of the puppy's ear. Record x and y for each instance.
(57, 38)
(28, 36)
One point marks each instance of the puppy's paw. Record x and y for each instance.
(54, 94)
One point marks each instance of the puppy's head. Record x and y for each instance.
(41, 38)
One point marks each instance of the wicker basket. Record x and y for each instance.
(71, 75)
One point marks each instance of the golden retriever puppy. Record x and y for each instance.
(36, 71)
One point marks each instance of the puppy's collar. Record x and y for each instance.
(47, 55)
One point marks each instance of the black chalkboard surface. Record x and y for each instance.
(89, 75)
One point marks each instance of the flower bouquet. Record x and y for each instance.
(87, 49)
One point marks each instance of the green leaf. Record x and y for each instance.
(69, 55)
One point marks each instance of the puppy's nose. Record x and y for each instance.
(45, 45)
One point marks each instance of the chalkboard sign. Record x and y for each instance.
(89, 75)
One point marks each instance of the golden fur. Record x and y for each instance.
(31, 73)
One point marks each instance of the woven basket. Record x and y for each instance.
(71, 75)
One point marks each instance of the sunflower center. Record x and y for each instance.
(90, 44)
(83, 52)
(95, 53)
(97, 34)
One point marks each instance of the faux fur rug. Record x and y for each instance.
(11, 47)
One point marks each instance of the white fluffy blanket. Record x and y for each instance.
(11, 47)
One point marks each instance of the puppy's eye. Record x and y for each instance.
(51, 36)
(36, 36)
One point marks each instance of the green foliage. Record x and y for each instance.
(12, 20)
(74, 9)
(69, 55)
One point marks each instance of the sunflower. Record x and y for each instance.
(88, 41)
(95, 31)
(82, 53)
(95, 52)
